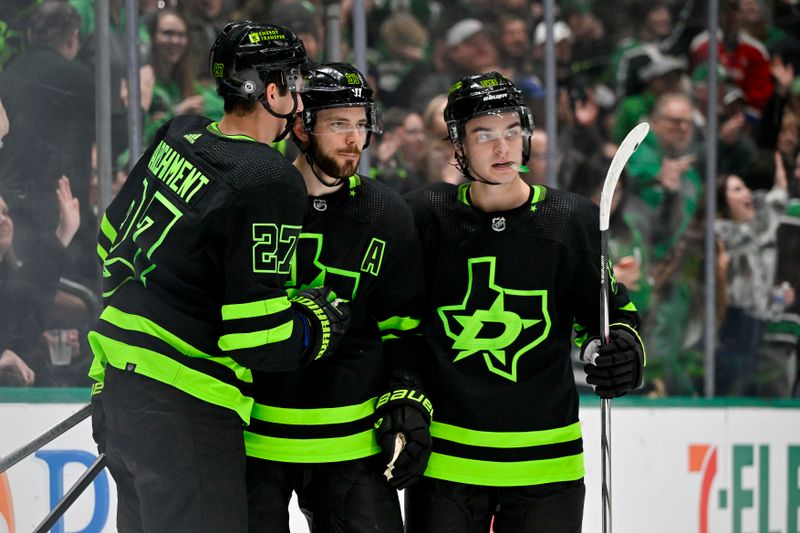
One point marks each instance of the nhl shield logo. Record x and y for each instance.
(320, 204)
(499, 223)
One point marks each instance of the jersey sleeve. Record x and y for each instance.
(397, 305)
(259, 328)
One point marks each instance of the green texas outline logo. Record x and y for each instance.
(495, 322)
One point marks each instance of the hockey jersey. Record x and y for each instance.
(504, 291)
(360, 241)
(195, 249)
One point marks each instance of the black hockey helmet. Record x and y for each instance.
(332, 85)
(483, 94)
(245, 53)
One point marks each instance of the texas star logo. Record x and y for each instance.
(497, 323)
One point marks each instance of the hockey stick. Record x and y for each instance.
(624, 152)
(72, 494)
(24, 451)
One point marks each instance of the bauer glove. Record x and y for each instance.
(403, 432)
(616, 368)
(326, 319)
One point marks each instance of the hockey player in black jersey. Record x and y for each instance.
(196, 248)
(510, 269)
(313, 432)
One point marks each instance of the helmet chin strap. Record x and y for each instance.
(288, 117)
(310, 161)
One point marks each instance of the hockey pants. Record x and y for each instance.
(437, 506)
(178, 462)
(342, 497)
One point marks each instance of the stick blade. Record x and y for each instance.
(629, 145)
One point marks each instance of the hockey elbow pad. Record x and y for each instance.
(403, 432)
(327, 317)
(617, 367)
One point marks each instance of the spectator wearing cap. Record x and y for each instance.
(745, 58)
(663, 74)
(654, 23)
(467, 49)
(563, 40)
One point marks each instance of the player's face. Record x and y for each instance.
(6, 228)
(337, 140)
(493, 146)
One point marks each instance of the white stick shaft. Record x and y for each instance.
(624, 152)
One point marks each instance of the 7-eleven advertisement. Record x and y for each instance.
(704, 468)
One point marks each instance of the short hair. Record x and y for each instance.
(53, 23)
(244, 106)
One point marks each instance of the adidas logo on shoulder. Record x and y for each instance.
(192, 137)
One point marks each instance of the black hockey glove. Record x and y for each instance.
(616, 368)
(327, 319)
(403, 432)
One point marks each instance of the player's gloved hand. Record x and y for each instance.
(616, 368)
(327, 319)
(403, 432)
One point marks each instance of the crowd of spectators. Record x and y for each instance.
(617, 64)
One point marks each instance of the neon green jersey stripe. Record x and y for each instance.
(402, 323)
(166, 370)
(320, 416)
(108, 230)
(214, 128)
(254, 339)
(628, 307)
(144, 325)
(101, 252)
(505, 439)
(255, 309)
(312, 450)
(538, 191)
(463, 195)
(505, 474)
